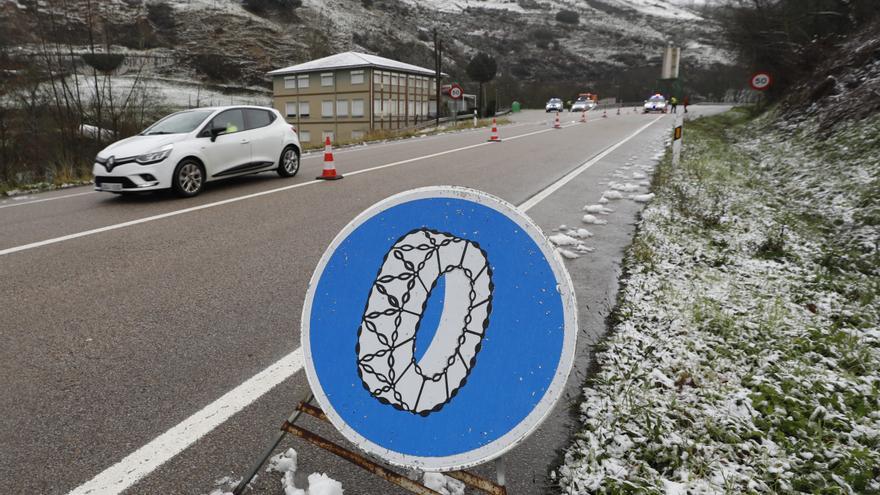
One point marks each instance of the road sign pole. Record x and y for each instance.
(676, 138)
(299, 431)
(269, 449)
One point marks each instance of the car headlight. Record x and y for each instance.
(155, 156)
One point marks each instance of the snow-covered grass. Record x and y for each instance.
(745, 350)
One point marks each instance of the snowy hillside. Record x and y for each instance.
(222, 41)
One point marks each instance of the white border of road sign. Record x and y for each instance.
(455, 92)
(758, 87)
(537, 415)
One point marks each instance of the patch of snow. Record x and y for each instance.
(565, 253)
(444, 485)
(319, 483)
(597, 209)
(563, 240)
(591, 219)
(612, 195)
(643, 198)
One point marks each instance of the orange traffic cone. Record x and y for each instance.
(584, 117)
(493, 138)
(329, 172)
(557, 125)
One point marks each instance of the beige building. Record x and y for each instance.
(347, 95)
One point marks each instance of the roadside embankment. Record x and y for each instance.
(744, 353)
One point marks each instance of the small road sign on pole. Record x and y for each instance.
(676, 138)
(455, 92)
(439, 328)
(760, 81)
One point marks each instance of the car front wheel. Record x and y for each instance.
(288, 164)
(188, 179)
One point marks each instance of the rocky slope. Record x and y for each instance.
(598, 44)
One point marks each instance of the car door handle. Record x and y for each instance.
(244, 141)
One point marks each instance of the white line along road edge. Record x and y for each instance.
(542, 195)
(55, 240)
(26, 202)
(146, 459)
(143, 461)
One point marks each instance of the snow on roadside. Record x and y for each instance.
(746, 353)
(444, 485)
(318, 483)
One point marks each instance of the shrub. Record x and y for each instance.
(568, 16)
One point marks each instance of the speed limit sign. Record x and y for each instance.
(455, 92)
(760, 81)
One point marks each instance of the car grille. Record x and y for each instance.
(125, 181)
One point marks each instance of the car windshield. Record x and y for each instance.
(555, 100)
(657, 98)
(178, 123)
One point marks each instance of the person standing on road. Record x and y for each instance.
(674, 102)
(686, 102)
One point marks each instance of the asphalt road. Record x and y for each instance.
(123, 317)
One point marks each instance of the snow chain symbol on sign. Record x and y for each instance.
(386, 345)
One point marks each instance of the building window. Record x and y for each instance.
(377, 77)
(290, 109)
(411, 107)
(357, 77)
(302, 81)
(357, 108)
(377, 107)
(327, 108)
(327, 79)
(342, 108)
(325, 135)
(393, 82)
(305, 136)
(304, 109)
(386, 78)
(290, 82)
(357, 135)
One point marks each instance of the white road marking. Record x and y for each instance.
(540, 196)
(25, 202)
(55, 240)
(148, 458)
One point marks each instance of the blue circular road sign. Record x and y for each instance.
(439, 328)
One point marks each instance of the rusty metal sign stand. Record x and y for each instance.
(299, 431)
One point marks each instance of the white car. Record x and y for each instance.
(554, 105)
(583, 105)
(186, 149)
(656, 103)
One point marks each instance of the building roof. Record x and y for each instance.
(352, 60)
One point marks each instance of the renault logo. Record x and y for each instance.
(111, 162)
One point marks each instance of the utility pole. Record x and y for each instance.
(438, 54)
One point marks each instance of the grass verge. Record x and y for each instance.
(745, 351)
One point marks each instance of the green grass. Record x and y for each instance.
(753, 274)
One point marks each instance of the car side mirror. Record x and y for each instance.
(216, 131)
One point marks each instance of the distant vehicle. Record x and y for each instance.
(555, 105)
(585, 101)
(588, 96)
(583, 105)
(656, 103)
(186, 149)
